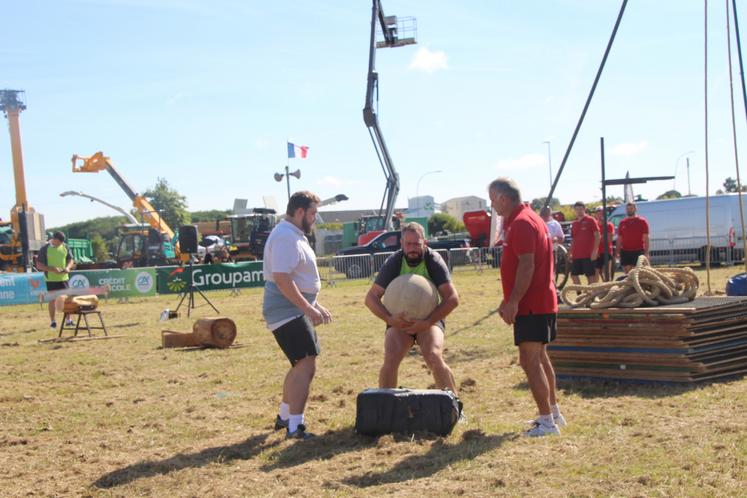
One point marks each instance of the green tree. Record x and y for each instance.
(539, 203)
(730, 185)
(669, 194)
(209, 215)
(105, 226)
(100, 250)
(171, 205)
(567, 211)
(443, 222)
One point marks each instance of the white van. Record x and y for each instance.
(677, 228)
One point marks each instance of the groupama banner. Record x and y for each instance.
(175, 279)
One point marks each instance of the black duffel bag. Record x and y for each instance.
(388, 411)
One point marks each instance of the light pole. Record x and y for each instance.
(417, 186)
(549, 165)
(279, 178)
(676, 163)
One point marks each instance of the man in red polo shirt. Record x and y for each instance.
(584, 245)
(530, 300)
(632, 238)
(604, 259)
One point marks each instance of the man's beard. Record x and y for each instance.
(306, 226)
(413, 261)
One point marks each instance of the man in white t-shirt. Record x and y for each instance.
(290, 307)
(556, 231)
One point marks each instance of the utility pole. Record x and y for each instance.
(688, 176)
(549, 165)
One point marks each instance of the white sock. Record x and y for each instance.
(546, 420)
(294, 421)
(284, 411)
(555, 410)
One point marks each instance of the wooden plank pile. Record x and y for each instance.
(703, 339)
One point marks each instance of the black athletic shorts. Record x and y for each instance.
(440, 324)
(629, 258)
(297, 339)
(535, 328)
(599, 262)
(583, 266)
(53, 286)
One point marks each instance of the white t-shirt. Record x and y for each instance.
(287, 250)
(555, 229)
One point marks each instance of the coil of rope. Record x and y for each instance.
(644, 285)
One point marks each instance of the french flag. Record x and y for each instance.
(300, 151)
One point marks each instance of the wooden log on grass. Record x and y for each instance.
(218, 332)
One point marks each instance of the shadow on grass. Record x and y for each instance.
(441, 455)
(467, 355)
(474, 324)
(607, 388)
(240, 451)
(323, 447)
(125, 325)
(27, 331)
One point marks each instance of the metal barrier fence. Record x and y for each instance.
(333, 269)
(677, 251)
(692, 250)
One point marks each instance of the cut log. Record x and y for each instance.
(219, 331)
(174, 339)
(74, 304)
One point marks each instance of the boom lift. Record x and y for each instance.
(27, 233)
(396, 33)
(140, 244)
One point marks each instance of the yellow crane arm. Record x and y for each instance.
(99, 162)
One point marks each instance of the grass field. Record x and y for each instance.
(122, 417)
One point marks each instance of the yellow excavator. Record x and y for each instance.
(147, 244)
(24, 235)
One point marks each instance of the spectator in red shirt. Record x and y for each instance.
(530, 300)
(584, 245)
(605, 257)
(632, 238)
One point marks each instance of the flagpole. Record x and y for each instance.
(287, 169)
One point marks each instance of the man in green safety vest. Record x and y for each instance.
(56, 262)
(402, 334)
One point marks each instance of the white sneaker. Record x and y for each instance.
(559, 420)
(539, 430)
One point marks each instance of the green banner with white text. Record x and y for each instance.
(123, 283)
(175, 279)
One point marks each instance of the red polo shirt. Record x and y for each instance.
(610, 236)
(525, 232)
(631, 231)
(582, 233)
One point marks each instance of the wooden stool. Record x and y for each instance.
(84, 315)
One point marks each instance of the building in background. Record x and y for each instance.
(457, 206)
(421, 207)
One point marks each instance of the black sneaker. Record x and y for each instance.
(280, 423)
(299, 433)
(53, 325)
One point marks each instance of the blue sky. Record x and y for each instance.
(205, 94)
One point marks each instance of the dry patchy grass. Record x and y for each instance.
(123, 417)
